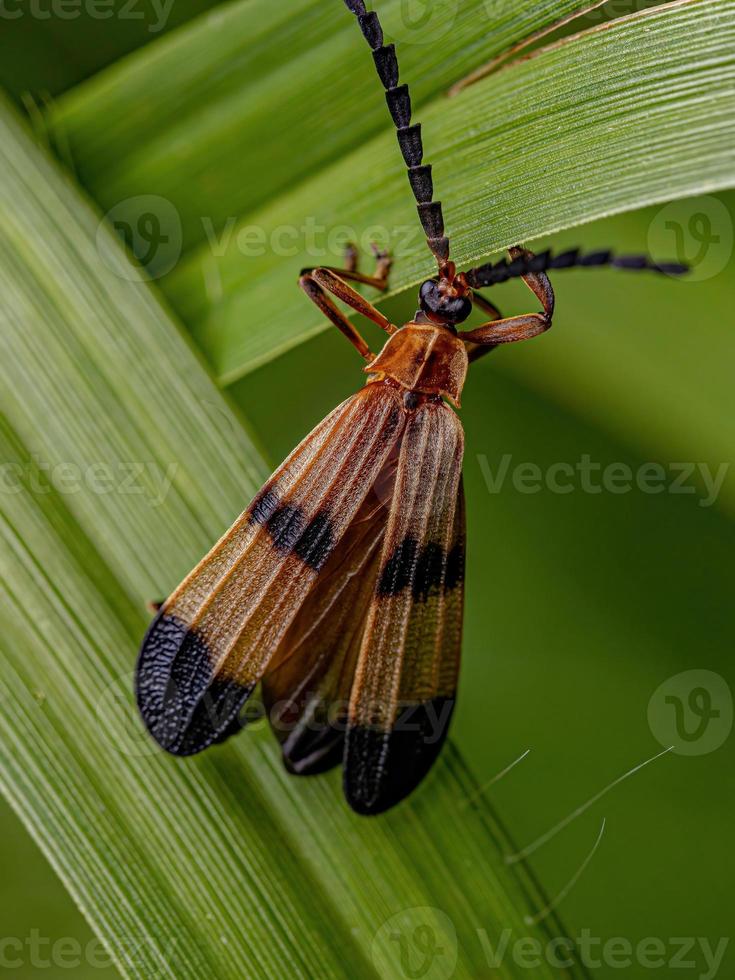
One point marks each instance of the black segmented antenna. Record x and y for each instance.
(496, 272)
(409, 136)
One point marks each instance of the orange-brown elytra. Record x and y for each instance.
(340, 588)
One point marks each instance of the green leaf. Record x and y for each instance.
(222, 865)
(640, 111)
(258, 95)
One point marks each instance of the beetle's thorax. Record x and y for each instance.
(424, 357)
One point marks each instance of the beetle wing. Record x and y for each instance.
(218, 633)
(307, 693)
(405, 680)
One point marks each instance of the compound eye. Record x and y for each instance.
(457, 308)
(440, 307)
(430, 299)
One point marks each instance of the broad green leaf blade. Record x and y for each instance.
(640, 111)
(217, 866)
(223, 115)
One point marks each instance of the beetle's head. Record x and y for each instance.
(447, 299)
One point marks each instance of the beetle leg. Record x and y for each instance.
(317, 295)
(350, 270)
(510, 329)
(475, 351)
(333, 282)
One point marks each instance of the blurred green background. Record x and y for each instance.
(579, 605)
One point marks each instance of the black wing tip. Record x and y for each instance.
(320, 760)
(382, 768)
(185, 745)
(181, 719)
(374, 806)
(179, 749)
(306, 750)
